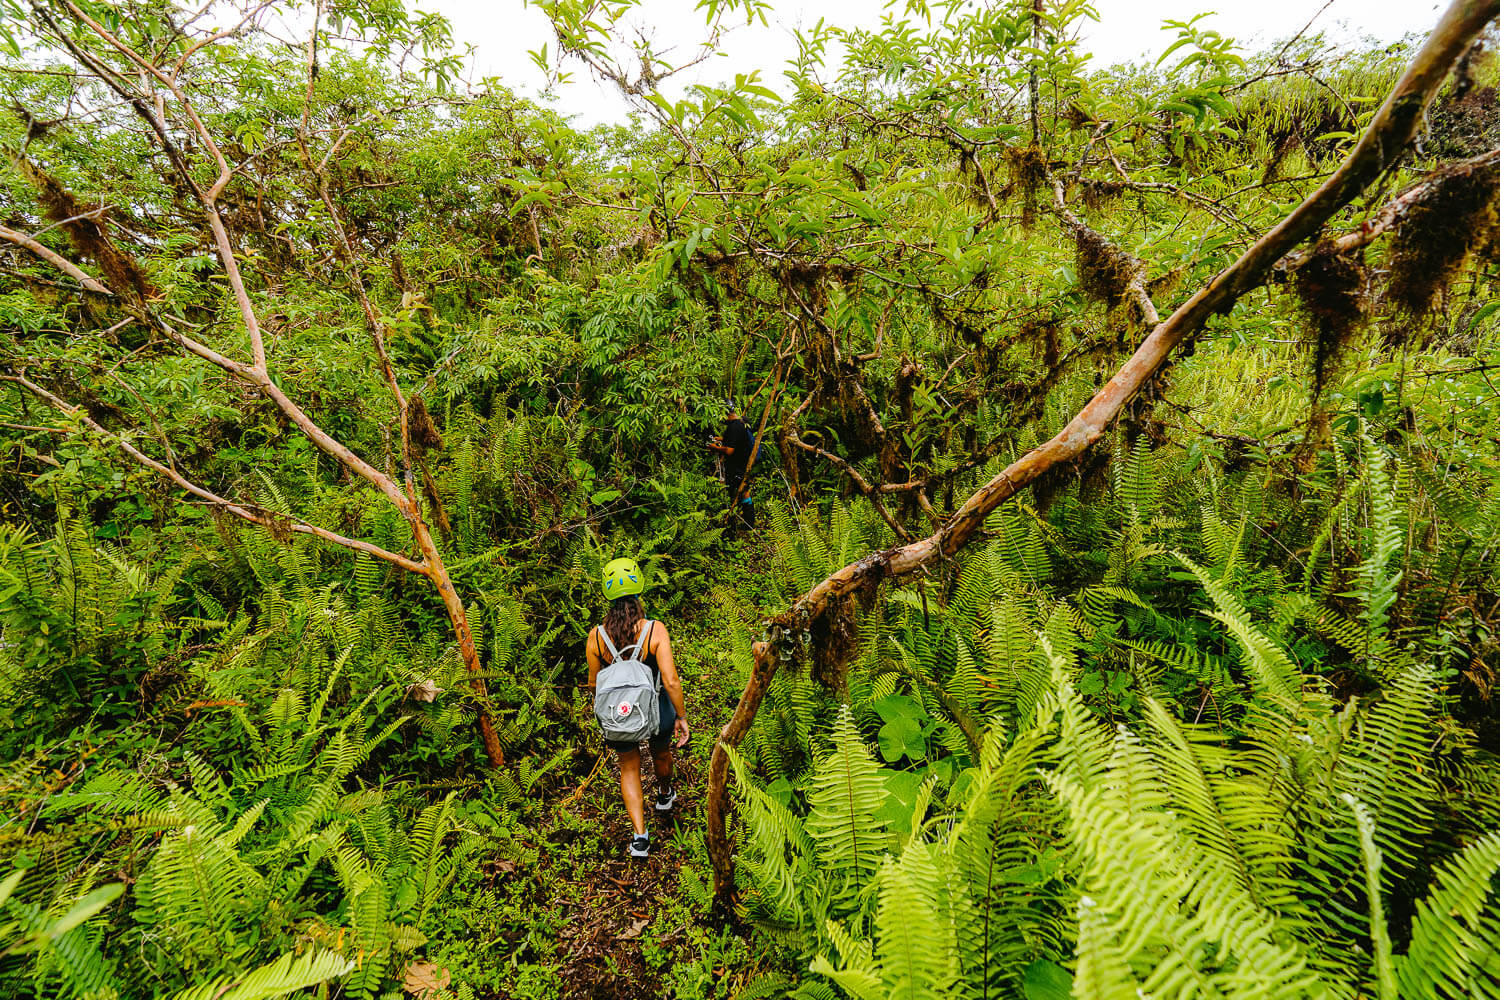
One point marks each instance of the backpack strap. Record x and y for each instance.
(614, 654)
(638, 651)
(632, 652)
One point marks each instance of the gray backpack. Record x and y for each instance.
(625, 692)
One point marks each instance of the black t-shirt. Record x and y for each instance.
(737, 436)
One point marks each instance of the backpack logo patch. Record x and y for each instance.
(624, 709)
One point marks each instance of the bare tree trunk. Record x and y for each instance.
(1382, 143)
(145, 92)
(760, 431)
(1032, 85)
(435, 570)
(720, 851)
(458, 616)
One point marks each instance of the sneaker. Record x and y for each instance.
(640, 846)
(666, 800)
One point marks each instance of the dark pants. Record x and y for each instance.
(746, 510)
(663, 738)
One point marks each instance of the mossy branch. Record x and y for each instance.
(1385, 139)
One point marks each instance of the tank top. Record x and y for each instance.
(649, 659)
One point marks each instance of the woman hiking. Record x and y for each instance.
(628, 635)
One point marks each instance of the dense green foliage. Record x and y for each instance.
(1208, 713)
(1165, 792)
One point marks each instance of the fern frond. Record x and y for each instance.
(1455, 937)
(857, 975)
(1268, 664)
(1020, 545)
(915, 936)
(1088, 749)
(1136, 484)
(1377, 582)
(781, 851)
(287, 974)
(1237, 823)
(1384, 763)
(1159, 917)
(845, 794)
(1385, 973)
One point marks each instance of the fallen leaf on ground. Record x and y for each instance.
(423, 978)
(634, 930)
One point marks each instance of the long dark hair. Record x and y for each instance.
(623, 620)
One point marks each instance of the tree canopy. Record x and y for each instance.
(1122, 619)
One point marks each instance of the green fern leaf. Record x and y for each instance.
(287, 974)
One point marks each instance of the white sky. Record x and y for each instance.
(502, 32)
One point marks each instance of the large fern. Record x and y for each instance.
(844, 795)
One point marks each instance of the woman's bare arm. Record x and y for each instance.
(591, 653)
(662, 647)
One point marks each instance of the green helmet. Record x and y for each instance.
(622, 578)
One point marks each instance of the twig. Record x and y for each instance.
(578, 792)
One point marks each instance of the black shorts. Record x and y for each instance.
(663, 737)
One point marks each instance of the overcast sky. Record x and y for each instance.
(502, 31)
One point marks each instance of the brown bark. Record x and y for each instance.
(431, 566)
(255, 375)
(1135, 287)
(246, 512)
(720, 850)
(860, 482)
(458, 616)
(760, 432)
(409, 504)
(57, 260)
(208, 198)
(1034, 89)
(1384, 140)
(1394, 212)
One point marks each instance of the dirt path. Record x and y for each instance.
(632, 928)
(615, 906)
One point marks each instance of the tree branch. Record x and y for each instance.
(208, 198)
(1393, 213)
(54, 258)
(1386, 137)
(1392, 128)
(1135, 288)
(243, 511)
(860, 482)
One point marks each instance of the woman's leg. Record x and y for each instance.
(661, 762)
(630, 788)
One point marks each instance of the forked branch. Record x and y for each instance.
(145, 90)
(245, 512)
